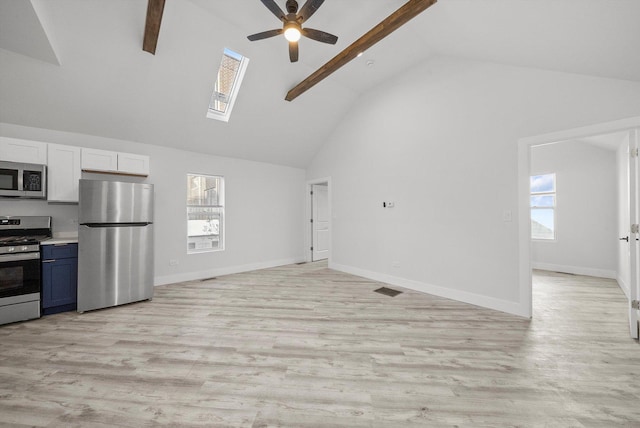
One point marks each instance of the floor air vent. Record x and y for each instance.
(388, 291)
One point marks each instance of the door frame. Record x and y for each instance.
(634, 286)
(308, 228)
(525, 302)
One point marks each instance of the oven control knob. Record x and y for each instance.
(25, 248)
(11, 249)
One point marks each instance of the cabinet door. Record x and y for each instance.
(64, 173)
(59, 282)
(133, 164)
(16, 150)
(99, 160)
(59, 251)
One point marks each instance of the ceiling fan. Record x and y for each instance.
(292, 25)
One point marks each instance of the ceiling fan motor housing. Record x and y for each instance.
(292, 6)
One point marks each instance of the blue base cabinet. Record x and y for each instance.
(59, 278)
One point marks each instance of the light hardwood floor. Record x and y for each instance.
(304, 346)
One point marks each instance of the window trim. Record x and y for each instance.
(553, 208)
(221, 206)
(244, 62)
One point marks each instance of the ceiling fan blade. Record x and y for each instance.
(293, 51)
(319, 36)
(265, 34)
(309, 9)
(274, 8)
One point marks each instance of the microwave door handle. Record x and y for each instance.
(21, 179)
(19, 257)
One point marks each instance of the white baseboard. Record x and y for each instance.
(210, 273)
(510, 307)
(577, 270)
(623, 285)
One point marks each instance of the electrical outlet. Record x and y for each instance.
(173, 262)
(506, 216)
(395, 264)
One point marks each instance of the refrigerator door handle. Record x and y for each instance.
(96, 225)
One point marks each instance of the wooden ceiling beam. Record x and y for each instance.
(152, 25)
(397, 19)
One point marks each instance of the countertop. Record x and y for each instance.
(62, 239)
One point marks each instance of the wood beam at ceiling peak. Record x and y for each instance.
(152, 25)
(397, 19)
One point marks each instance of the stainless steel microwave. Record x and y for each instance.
(23, 180)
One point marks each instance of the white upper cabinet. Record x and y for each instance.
(99, 160)
(133, 164)
(66, 163)
(114, 162)
(16, 150)
(64, 173)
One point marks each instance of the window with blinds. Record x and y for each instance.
(227, 85)
(543, 207)
(205, 213)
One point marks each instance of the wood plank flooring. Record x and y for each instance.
(305, 346)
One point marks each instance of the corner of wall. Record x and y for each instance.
(623, 285)
(210, 273)
(510, 307)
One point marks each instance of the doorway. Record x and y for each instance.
(626, 127)
(318, 233)
(574, 204)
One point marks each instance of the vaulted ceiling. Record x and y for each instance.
(78, 65)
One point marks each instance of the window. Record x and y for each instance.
(543, 206)
(227, 85)
(205, 213)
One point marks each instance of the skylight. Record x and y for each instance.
(230, 74)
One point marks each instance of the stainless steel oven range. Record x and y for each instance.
(20, 284)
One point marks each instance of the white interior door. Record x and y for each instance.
(634, 262)
(320, 221)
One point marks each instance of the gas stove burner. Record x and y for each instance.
(22, 240)
(23, 234)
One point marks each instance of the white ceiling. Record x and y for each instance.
(106, 85)
(22, 31)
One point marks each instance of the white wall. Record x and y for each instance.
(441, 142)
(264, 206)
(622, 176)
(586, 212)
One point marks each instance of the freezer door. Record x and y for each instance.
(115, 202)
(115, 266)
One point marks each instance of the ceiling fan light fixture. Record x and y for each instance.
(292, 25)
(292, 32)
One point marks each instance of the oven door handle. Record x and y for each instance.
(18, 257)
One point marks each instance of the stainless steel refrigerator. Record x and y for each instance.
(115, 243)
